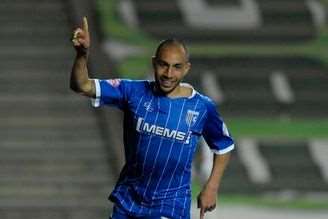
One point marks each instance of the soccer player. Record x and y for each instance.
(163, 121)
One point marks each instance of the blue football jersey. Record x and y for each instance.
(160, 139)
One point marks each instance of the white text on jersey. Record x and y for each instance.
(143, 126)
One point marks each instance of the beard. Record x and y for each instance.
(165, 85)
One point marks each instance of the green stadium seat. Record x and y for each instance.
(292, 167)
(160, 19)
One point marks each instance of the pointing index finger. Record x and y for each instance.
(85, 26)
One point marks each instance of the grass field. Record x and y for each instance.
(273, 128)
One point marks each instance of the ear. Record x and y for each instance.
(187, 68)
(153, 60)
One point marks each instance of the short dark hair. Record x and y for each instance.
(172, 41)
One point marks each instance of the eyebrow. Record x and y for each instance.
(166, 63)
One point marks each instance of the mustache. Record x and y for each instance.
(168, 78)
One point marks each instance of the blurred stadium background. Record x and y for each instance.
(263, 61)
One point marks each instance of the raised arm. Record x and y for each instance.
(80, 81)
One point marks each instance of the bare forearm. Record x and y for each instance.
(206, 200)
(80, 81)
(219, 165)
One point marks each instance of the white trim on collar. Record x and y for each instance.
(193, 90)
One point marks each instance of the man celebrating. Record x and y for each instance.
(163, 121)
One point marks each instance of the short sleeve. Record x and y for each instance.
(111, 92)
(215, 132)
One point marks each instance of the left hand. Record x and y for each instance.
(81, 37)
(206, 200)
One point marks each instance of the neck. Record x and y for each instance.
(179, 91)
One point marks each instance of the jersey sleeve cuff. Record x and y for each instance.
(95, 102)
(225, 150)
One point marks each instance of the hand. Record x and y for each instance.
(81, 37)
(206, 200)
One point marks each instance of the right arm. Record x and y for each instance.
(80, 81)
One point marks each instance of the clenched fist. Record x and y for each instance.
(81, 37)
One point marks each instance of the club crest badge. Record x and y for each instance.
(191, 117)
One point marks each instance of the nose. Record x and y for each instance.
(169, 72)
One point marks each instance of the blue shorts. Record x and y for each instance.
(119, 213)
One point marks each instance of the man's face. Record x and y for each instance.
(170, 67)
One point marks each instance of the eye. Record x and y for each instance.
(161, 63)
(178, 66)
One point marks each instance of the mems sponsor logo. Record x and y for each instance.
(145, 127)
